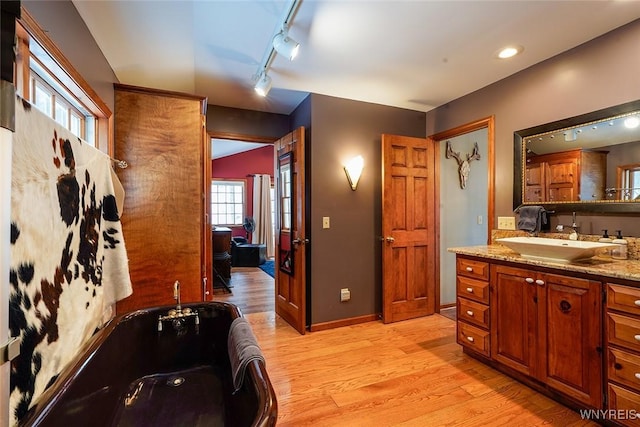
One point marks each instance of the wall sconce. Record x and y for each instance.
(353, 169)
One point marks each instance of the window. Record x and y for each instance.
(227, 202)
(56, 102)
(285, 196)
(46, 78)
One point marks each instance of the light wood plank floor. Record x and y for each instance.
(409, 373)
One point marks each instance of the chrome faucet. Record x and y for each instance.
(176, 296)
(178, 315)
(573, 235)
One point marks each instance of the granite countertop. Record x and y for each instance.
(607, 267)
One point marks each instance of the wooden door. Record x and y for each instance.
(408, 228)
(160, 135)
(514, 318)
(571, 338)
(291, 239)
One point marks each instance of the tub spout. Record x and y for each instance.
(176, 295)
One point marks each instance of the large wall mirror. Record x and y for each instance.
(585, 163)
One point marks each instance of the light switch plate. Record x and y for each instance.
(326, 223)
(506, 223)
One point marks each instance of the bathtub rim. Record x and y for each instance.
(267, 403)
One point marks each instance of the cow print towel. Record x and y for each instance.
(68, 260)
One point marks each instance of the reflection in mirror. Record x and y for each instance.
(589, 161)
(286, 210)
(628, 183)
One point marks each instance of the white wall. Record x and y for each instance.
(460, 209)
(6, 137)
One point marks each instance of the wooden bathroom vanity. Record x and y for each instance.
(570, 331)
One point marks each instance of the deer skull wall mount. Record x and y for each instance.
(463, 165)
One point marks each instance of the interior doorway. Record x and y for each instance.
(466, 213)
(239, 161)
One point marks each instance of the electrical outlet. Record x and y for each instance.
(326, 222)
(345, 294)
(506, 223)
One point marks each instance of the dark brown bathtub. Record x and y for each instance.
(133, 375)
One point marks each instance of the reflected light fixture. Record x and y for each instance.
(353, 169)
(263, 85)
(632, 122)
(285, 45)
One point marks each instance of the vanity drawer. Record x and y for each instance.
(624, 368)
(474, 338)
(623, 298)
(623, 331)
(476, 290)
(621, 399)
(473, 312)
(472, 268)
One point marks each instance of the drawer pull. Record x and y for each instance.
(470, 339)
(540, 282)
(637, 375)
(469, 269)
(637, 302)
(469, 313)
(529, 280)
(470, 290)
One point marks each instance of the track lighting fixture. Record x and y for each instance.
(285, 45)
(263, 85)
(280, 44)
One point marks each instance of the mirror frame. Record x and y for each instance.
(596, 206)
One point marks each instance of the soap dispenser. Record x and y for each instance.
(606, 239)
(620, 251)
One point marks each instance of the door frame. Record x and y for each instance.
(210, 175)
(489, 124)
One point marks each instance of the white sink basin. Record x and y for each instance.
(554, 250)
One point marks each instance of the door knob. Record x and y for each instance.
(390, 239)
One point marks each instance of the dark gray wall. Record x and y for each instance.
(348, 254)
(598, 74)
(65, 27)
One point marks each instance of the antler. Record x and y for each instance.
(450, 153)
(475, 155)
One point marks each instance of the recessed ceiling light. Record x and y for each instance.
(509, 51)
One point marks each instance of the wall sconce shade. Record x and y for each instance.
(353, 169)
(285, 45)
(263, 85)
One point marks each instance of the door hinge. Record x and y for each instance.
(10, 350)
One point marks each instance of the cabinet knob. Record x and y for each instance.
(470, 290)
(469, 269)
(637, 375)
(469, 313)
(470, 339)
(540, 282)
(529, 280)
(636, 337)
(637, 302)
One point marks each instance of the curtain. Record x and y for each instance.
(263, 232)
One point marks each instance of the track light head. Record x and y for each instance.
(263, 85)
(285, 45)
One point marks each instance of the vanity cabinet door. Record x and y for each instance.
(571, 337)
(514, 318)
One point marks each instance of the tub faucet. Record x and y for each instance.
(176, 296)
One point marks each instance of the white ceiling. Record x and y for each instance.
(410, 54)
(227, 147)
